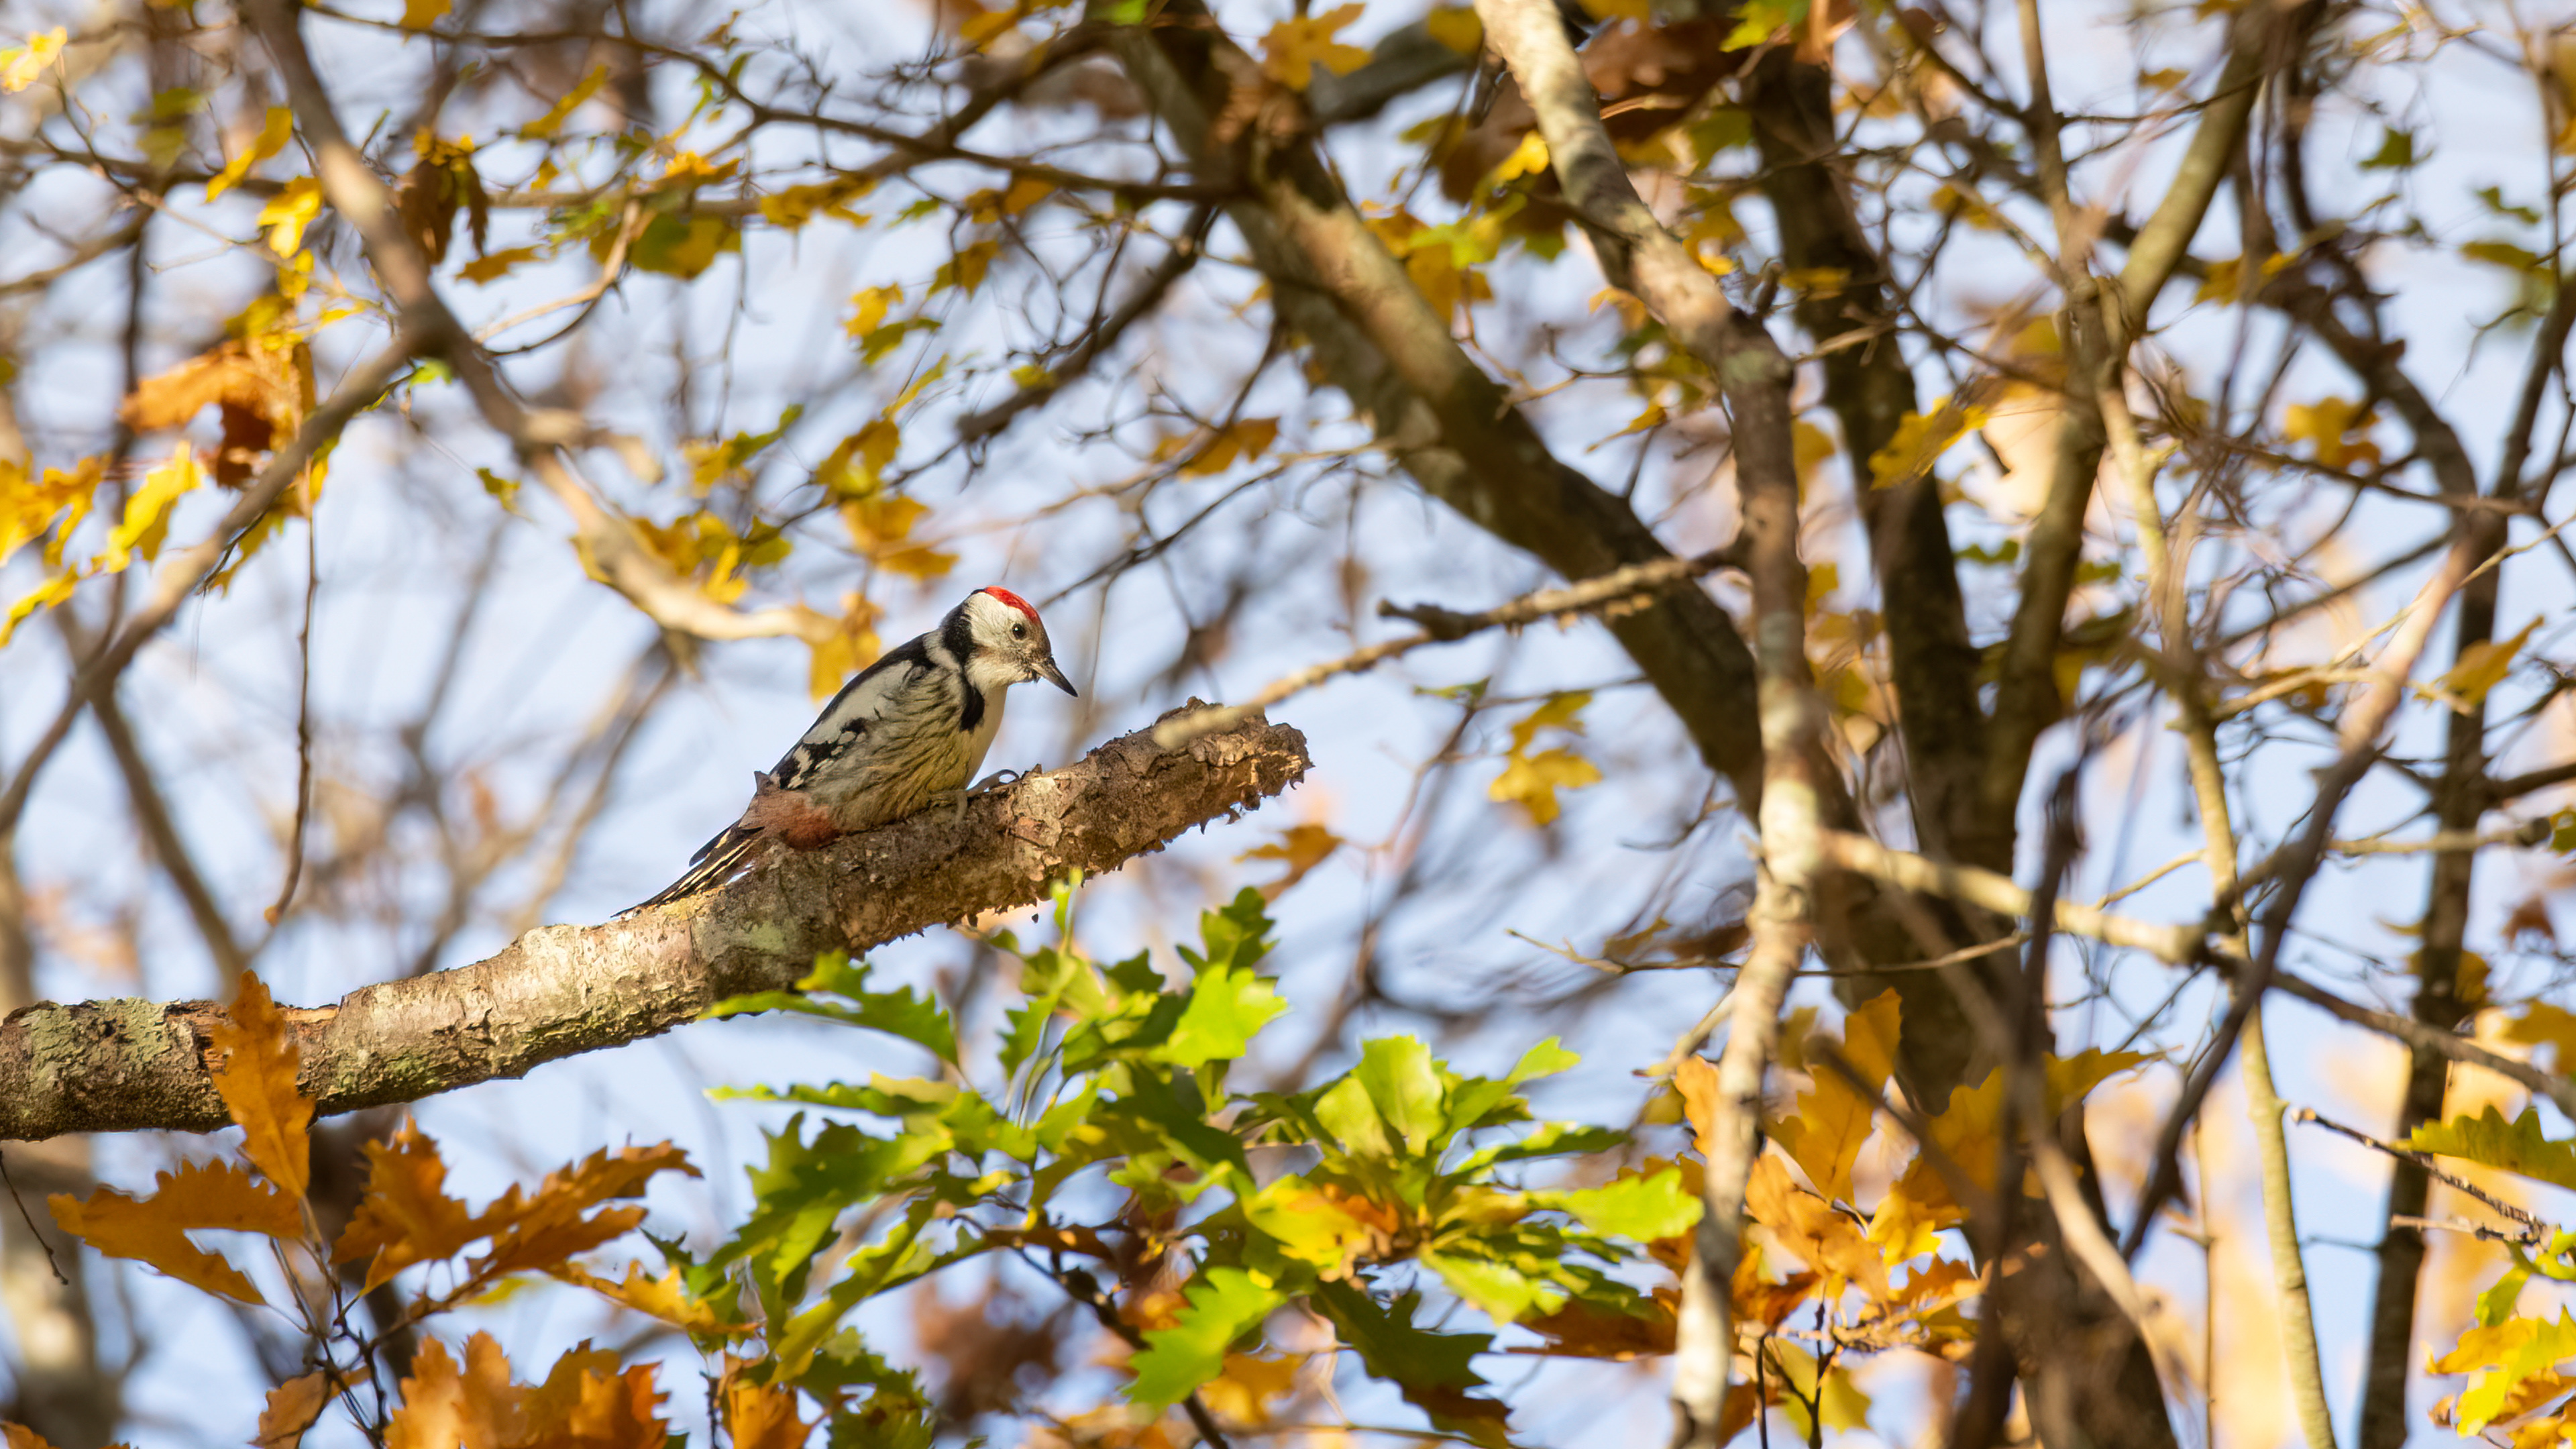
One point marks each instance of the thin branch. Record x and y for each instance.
(613, 548)
(180, 576)
(1603, 593)
(2534, 1229)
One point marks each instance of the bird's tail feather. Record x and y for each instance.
(712, 866)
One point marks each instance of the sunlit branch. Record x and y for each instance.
(1628, 586)
(562, 990)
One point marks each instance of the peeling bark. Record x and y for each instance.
(114, 1066)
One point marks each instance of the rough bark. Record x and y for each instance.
(62, 1391)
(1451, 427)
(561, 990)
(2460, 798)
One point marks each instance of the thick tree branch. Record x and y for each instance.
(1449, 425)
(1932, 663)
(130, 1065)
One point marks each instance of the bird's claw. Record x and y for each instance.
(956, 800)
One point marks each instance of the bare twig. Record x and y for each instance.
(2534, 1230)
(1606, 592)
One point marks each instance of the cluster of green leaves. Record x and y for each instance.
(1101, 1137)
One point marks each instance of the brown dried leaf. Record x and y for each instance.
(154, 1230)
(264, 385)
(1589, 1330)
(256, 1078)
(407, 1216)
(292, 1408)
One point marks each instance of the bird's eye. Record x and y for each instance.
(1019, 631)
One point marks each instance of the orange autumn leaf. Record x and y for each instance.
(445, 1408)
(1834, 1118)
(292, 1408)
(763, 1416)
(1808, 1226)
(553, 1401)
(1696, 1079)
(544, 1231)
(1301, 848)
(406, 1216)
(198, 1197)
(601, 1410)
(256, 1077)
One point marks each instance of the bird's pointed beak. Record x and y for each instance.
(1048, 671)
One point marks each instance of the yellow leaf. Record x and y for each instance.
(256, 1078)
(665, 1298)
(1834, 1117)
(21, 65)
(495, 265)
(406, 1216)
(794, 206)
(272, 138)
(1529, 158)
(1025, 192)
(1905, 1228)
(1245, 1390)
(2327, 425)
(1294, 47)
(1456, 27)
(1969, 1129)
(544, 127)
(1813, 447)
(871, 304)
(44, 596)
(2483, 665)
(292, 1408)
(1639, 11)
(1631, 308)
(1302, 847)
(1534, 780)
(2541, 1023)
(966, 270)
(28, 508)
(1921, 440)
(147, 513)
(1560, 711)
(840, 645)
(289, 212)
(1242, 440)
(422, 14)
(198, 1197)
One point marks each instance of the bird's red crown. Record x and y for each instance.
(1012, 599)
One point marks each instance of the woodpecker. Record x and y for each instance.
(909, 729)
